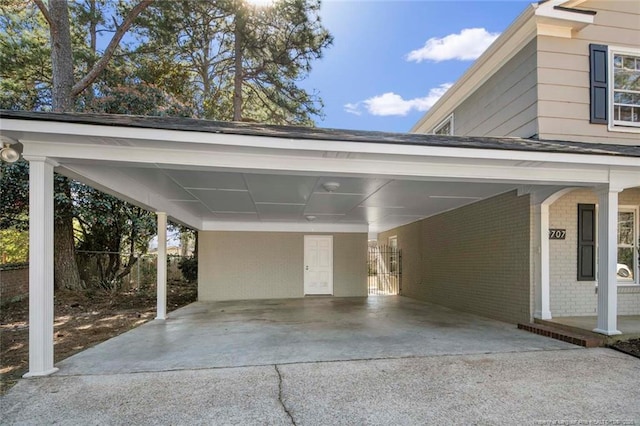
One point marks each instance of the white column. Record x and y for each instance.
(40, 267)
(162, 267)
(542, 300)
(607, 259)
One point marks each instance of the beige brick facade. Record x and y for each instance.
(474, 259)
(570, 297)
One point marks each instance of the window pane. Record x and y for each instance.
(617, 61)
(629, 63)
(627, 80)
(626, 113)
(626, 98)
(445, 129)
(625, 228)
(625, 264)
(626, 72)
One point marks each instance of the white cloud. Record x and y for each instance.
(465, 46)
(352, 108)
(393, 104)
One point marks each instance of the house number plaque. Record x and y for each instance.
(557, 234)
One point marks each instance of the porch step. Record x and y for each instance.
(568, 336)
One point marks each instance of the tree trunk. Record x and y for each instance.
(63, 97)
(61, 56)
(237, 78)
(93, 43)
(65, 268)
(64, 262)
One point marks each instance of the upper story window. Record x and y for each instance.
(445, 127)
(615, 87)
(625, 89)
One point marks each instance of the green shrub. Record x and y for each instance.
(189, 268)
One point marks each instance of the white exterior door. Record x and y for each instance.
(318, 264)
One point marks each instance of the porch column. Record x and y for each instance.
(542, 300)
(40, 267)
(607, 259)
(161, 312)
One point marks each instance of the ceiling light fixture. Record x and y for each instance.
(331, 186)
(9, 154)
(311, 218)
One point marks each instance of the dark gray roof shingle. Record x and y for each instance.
(315, 133)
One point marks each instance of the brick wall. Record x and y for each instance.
(410, 241)
(473, 259)
(14, 281)
(570, 297)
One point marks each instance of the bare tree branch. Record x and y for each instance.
(45, 13)
(111, 48)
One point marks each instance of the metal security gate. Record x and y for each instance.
(384, 264)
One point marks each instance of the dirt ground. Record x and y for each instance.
(82, 319)
(631, 347)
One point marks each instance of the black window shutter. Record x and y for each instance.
(598, 77)
(586, 242)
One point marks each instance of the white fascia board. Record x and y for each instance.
(552, 30)
(121, 186)
(178, 155)
(547, 16)
(403, 167)
(623, 179)
(210, 225)
(571, 3)
(415, 161)
(545, 13)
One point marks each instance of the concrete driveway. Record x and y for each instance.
(284, 331)
(331, 361)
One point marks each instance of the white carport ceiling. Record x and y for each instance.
(253, 197)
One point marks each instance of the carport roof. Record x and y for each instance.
(252, 177)
(314, 133)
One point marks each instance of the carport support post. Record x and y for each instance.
(162, 267)
(607, 260)
(40, 267)
(542, 300)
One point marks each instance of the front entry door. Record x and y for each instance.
(318, 264)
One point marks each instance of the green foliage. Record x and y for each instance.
(14, 195)
(278, 45)
(189, 268)
(25, 64)
(179, 61)
(14, 246)
(111, 226)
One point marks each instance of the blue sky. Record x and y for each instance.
(392, 59)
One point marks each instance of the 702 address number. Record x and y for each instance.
(557, 234)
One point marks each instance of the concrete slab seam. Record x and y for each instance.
(61, 374)
(280, 400)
